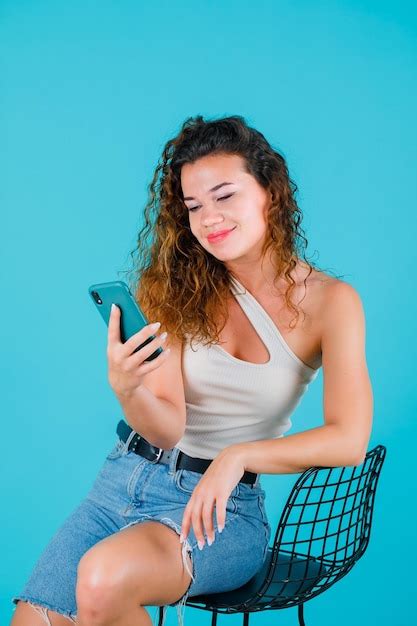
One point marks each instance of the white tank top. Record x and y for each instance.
(232, 401)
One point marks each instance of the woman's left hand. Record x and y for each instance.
(214, 488)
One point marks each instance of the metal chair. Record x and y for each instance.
(324, 529)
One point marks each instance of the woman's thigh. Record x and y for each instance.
(138, 566)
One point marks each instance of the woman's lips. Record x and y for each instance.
(217, 238)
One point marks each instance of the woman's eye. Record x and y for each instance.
(194, 208)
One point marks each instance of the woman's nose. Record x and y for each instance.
(209, 213)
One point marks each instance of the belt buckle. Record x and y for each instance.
(159, 454)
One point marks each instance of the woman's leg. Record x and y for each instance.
(139, 566)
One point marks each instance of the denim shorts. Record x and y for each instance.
(130, 489)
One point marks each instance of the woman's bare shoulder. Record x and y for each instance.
(313, 286)
(327, 296)
(317, 278)
(315, 290)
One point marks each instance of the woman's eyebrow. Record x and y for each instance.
(210, 190)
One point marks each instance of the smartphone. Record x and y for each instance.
(132, 318)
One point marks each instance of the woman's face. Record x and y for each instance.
(240, 205)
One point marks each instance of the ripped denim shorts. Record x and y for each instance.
(130, 489)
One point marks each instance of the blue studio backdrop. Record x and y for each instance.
(91, 91)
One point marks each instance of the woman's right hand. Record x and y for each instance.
(127, 370)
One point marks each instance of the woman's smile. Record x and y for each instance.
(213, 238)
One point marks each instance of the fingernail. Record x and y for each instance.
(113, 306)
(156, 325)
(181, 538)
(220, 529)
(209, 541)
(201, 545)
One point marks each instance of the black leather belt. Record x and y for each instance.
(140, 446)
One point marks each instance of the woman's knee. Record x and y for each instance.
(102, 588)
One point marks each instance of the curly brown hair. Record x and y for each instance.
(175, 280)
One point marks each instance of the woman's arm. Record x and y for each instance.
(348, 399)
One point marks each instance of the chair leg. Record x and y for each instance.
(161, 615)
(301, 615)
(214, 618)
(245, 619)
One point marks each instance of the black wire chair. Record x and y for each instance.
(324, 529)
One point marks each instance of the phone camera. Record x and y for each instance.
(96, 297)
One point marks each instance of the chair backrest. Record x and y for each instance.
(324, 529)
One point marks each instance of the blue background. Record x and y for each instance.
(91, 91)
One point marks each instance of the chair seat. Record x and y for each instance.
(286, 583)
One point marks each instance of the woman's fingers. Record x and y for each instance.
(127, 370)
(113, 334)
(139, 338)
(197, 523)
(221, 504)
(207, 516)
(133, 343)
(199, 514)
(141, 355)
(147, 366)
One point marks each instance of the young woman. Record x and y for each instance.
(178, 499)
